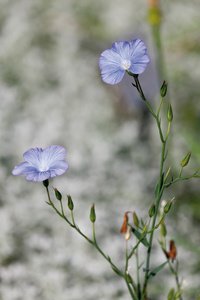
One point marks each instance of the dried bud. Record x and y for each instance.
(128, 233)
(46, 183)
(70, 202)
(185, 161)
(152, 210)
(125, 222)
(92, 214)
(172, 251)
(135, 220)
(169, 113)
(163, 89)
(58, 194)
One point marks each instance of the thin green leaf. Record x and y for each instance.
(117, 271)
(157, 190)
(139, 236)
(156, 270)
(141, 265)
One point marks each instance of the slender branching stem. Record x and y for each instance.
(92, 242)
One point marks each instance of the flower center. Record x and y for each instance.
(126, 64)
(43, 167)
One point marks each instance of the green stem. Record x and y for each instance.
(159, 106)
(161, 189)
(94, 237)
(73, 225)
(139, 88)
(175, 272)
(134, 297)
(179, 175)
(138, 275)
(72, 215)
(161, 185)
(194, 175)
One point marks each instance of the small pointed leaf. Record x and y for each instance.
(157, 190)
(117, 271)
(139, 236)
(156, 270)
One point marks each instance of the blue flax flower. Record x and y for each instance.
(42, 164)
(122, 57)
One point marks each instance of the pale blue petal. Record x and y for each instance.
(111, 62)
(53, 153)
(112, 75)
(33, 156)
(122, 49)
(139, 58)
(59, 168)
(38, 176)
(110, 66)
(137, 48)
(139, 66)
(23, 168)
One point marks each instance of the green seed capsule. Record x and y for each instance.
(129, 278)
(46, 183)
(92, 214)
(70, 202)
(152, 210)
(163, 89)
(185, 161)
(169, 113)
(167, 207)
(58, 194)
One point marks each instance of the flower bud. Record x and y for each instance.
(129, 278)
(154, 16)
(170, 295)
(152, 210)
(169, 113)
(92, 214)
(58, 194)
(163, 89)
(168, 205)
(46, 183)
(135, 219)
(163, 229)
(185, 161)
(70, 202)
